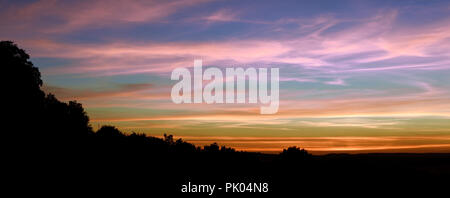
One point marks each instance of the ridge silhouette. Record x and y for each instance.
(47, 138)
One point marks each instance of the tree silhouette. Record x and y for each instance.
(40, 120)
(23, 100)
(24, 79)
(294, 154)
(109, 132)
(214, 147)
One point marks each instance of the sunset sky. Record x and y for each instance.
(355, 76)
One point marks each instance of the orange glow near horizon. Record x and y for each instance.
(320, 145)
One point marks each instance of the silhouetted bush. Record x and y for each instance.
(214, 147)
(294, 154)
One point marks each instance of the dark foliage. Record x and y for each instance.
(39, 120)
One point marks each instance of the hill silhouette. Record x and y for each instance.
(52, 148)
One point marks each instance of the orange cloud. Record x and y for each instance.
(140, 91)
(332, 144)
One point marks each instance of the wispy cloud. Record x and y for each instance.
(368, 41)
(223, 15)
(120, 90)
(77, 15)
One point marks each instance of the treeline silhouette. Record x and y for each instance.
(51, 147)
(51, 136)
(44, 120)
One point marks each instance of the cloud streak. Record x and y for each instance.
(74, 16)
(331, 144)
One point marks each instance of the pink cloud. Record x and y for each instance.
(223, 15)
(317, 49)
(85, 14)
(336, 82)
